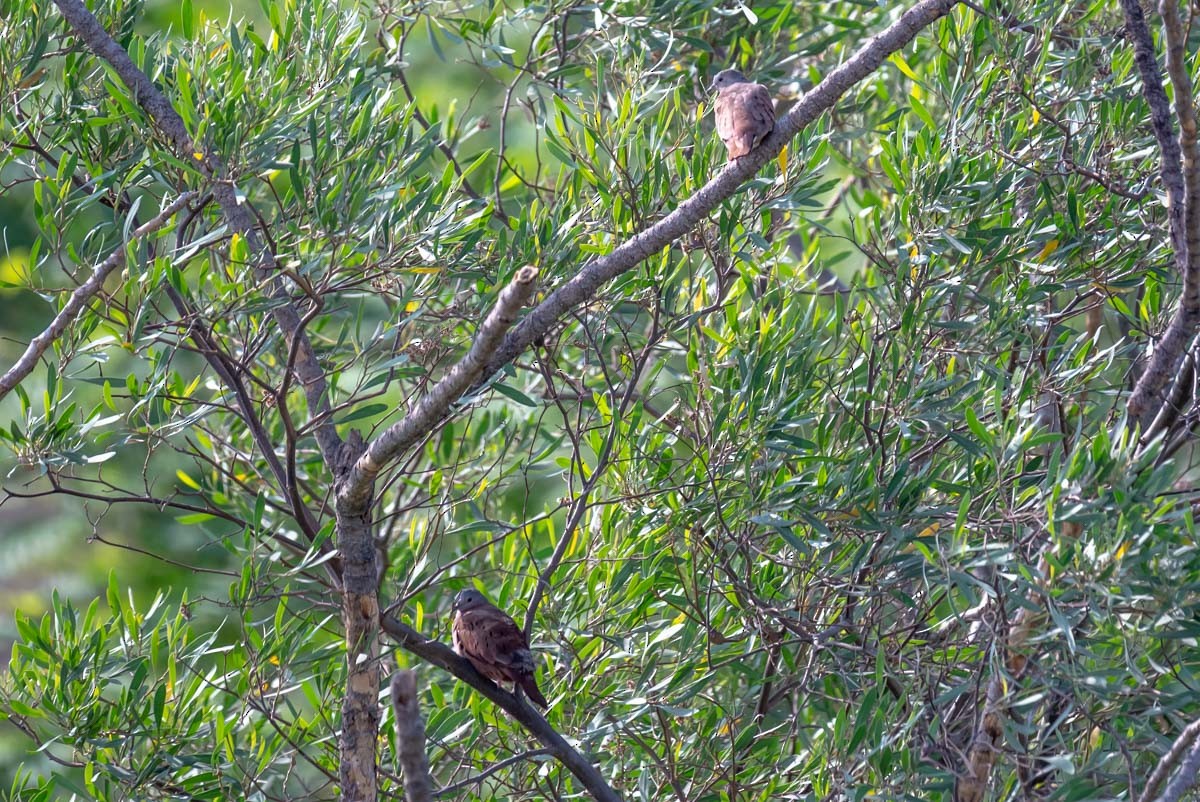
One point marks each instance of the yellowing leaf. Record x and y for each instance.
(1036, 117)
(1124, 547)
(239, 251)
(700, 111)
(187, 480)
(783, 159)
(425, 270)
(930, 530)
(412, 306)
(899, 61)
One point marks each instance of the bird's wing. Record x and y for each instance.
(488, 635)
(761, 109)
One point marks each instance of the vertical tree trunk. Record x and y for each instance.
(360, 616)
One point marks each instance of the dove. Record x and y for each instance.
(744, 112)
(495, 645)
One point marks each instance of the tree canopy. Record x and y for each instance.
(859, 467)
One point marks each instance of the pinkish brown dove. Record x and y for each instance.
(495, 645)
(744, 112)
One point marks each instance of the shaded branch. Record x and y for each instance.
(1180, 168)
(442, 656)
(410, 738)
(80, 298)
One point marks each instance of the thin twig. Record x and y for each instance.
(489, 771)
(580, 505)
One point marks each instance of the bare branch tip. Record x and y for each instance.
(404, 687)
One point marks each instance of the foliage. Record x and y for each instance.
(801, 470)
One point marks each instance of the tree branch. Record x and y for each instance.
(1183, 199)
(237, 214)
(584, 284)
(354, 491)
(80, 298)
(443, 656)
(579, 506)
(1185, 778)
(489, 771)
(410, 738)
(1168, 761)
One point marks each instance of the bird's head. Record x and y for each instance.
(468, 599)
(728, 78)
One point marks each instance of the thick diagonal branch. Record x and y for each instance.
(436, 405)
(593, 275)
(80, 298)
(584, 284)
(239, 217)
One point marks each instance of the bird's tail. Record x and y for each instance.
(529, 685)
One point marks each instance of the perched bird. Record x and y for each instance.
(495, 645)
(744, 111)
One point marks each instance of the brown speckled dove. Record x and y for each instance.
(495, 645)
(744, 112)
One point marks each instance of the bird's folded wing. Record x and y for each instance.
(490, 636)
(756, 113)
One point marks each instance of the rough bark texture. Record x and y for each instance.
(360, 617)
(1180, 170)
(435, 406)
(1186, 743)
